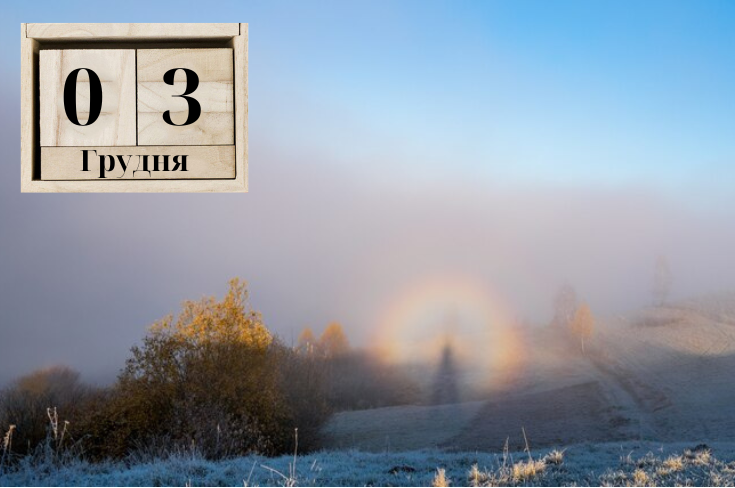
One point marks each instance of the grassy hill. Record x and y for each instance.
(659, 374)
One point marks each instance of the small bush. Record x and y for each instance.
(25, 403)
(214, 380)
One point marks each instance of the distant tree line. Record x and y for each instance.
(576, 317)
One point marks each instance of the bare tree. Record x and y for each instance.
(565, 305)
(662, 281)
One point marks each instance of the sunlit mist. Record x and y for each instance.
(456, 312)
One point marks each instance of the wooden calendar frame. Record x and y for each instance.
(37, 37)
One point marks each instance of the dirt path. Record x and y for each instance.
(638, 400)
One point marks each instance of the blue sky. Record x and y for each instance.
(521, 144)
(562, 92)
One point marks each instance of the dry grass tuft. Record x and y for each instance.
(702, 458)
(477, 477)
(554, 457)
(527, 470)
(641, 478)
(672, 464)
(440, 479)
(7, 445)
(696, 466)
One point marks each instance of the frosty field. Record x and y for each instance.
(611, 464)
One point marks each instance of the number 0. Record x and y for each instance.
(70, 96)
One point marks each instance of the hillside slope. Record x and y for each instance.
(661, 374)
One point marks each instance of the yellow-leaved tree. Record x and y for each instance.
(208, 321)
(583, 324)
(333, 341)
(213, 378)
(306, 341)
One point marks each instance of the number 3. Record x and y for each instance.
(192, 82)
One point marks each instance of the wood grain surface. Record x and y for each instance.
(116, 123)
(202, 162)
(214, 93)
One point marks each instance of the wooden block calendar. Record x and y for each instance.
(134, 107)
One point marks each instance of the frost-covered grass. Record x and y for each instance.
(628, 464)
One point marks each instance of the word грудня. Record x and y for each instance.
(108, 161)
